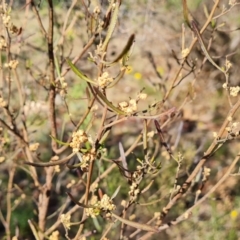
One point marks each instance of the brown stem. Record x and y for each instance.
(52, 92)
(9, 205)
(43, 201)
(210, 150)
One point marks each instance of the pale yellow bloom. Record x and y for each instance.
(234, 91)
(185, 52)
(104, 80)
(33, 147)
(65, 220)
(54, 236)
(2, 159)
(142, 96)
(78, 138)
(137, 75)
(234, 214)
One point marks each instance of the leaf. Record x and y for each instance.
(116, 192)
(118, 78)
(204, 49)
(34, 231)
(186, 12)
(79, 73)
(123, 158)
(115, 8)
(109, 104)
(125, 52)
(59, 142)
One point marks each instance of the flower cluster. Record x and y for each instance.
(134, 191)
(234, 129)
(54, 235)
(104, 80)
(63, 87)
(234, 91)
(33, 147)
(105, 204)
(12, 64)
(78, 138)
(69, 185)
(206, 173)
(130, 107)
(228, 65)
(6, 18)
(65, 220)
(87, 158)
(57, 167)
(185, 52)
(136, 179)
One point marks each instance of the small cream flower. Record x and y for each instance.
(65, 220)
(106, 203)
(224, 85)
(78, 138)
(215, 134)
(2, 159)
(57, 168)
(229, 118)
(12, 64)
(185, 52)
(54, 235)
(234, 91)
(33, 147)
(97, 10)
(104, 80)
(228, 65)
(69, 185)
(142, 96)
(6, 19)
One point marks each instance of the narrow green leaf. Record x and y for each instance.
(115, 9)
(116, 192)
(118, 78)
(109, 104)
(59, 142)
(205, 51)
(125, 52)
(186, 13)
(79, 73)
